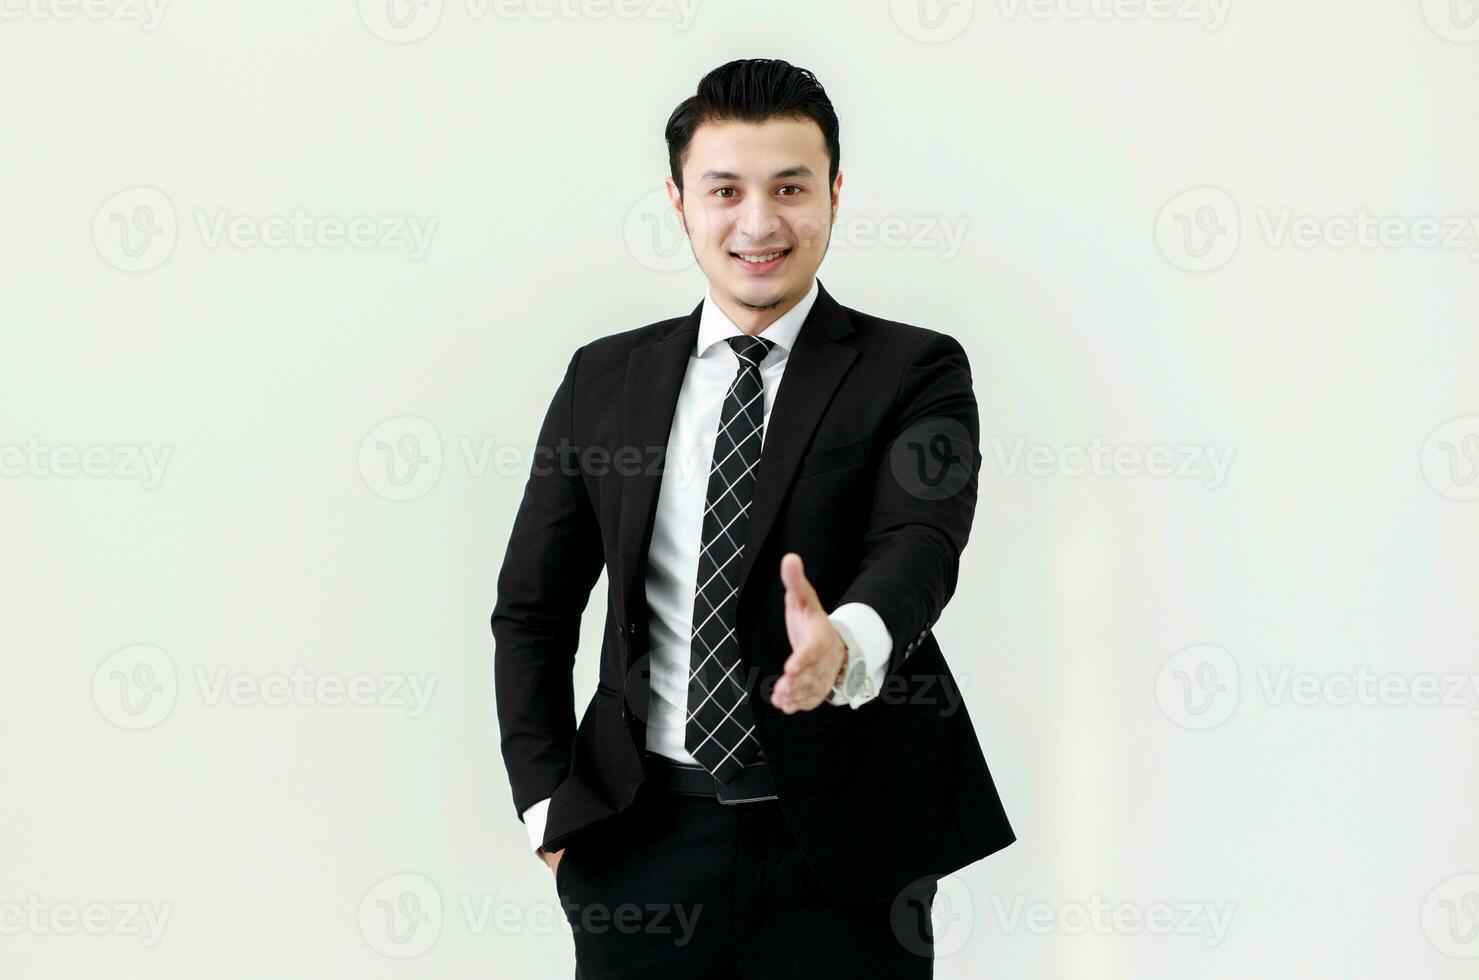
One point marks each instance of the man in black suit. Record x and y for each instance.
(776, 766)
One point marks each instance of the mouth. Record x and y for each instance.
(758, 262)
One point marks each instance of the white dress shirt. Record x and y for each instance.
(672, 557)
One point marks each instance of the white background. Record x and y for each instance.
(1157, 245)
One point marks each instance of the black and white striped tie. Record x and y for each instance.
(721, 729)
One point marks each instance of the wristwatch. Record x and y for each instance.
(853, 687)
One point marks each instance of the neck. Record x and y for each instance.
(752, 320)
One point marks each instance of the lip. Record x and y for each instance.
(758, 268)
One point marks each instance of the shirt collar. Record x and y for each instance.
(714, 325)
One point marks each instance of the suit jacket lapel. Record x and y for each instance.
(649, 396)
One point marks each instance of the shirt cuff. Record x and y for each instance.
(534, 824)
(869, 644)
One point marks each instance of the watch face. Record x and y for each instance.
(851, 682)
(849, 663)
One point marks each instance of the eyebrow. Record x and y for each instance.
(799, 170)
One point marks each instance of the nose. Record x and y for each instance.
(759, 219)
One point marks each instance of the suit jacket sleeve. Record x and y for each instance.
(553, 559)
(922, 506)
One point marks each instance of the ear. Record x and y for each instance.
(675, 197)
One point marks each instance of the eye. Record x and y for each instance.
(793, 187)
(720, 190)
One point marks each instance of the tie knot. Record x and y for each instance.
(751, 350)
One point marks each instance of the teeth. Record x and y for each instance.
(762, 258)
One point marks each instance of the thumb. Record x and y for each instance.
(793, 577)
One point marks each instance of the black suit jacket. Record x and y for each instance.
(869, 473)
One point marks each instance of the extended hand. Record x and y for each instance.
(817, 651)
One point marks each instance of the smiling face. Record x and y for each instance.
(758, 211)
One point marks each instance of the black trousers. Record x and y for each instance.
(687, 888)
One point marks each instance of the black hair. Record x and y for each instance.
(752, 90)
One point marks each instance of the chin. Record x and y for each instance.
(762, 300)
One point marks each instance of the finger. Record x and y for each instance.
(794, 703)
(800, 661)
(807, 690)
(793, 577)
